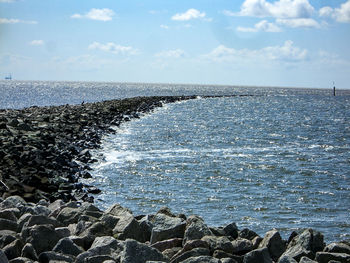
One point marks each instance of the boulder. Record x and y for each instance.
(166, 244)
(242, 246)
(6, 237)
(136, 252)
(260, 255)
(307, 260)
(325, 257)
(196, 229)
(218, 243)
(201, 259)
(274, 243)
(50, 256)
(337, 248)
(63, 232)
(28, 251)
(196, 252)
(231, 230)
(287, 259)
(247, 234)
(166, 227)
(99, 259)
(42, 237)
(6, 224)
(42, 220)
(68, 216)
(3, 258)
(13, 250)
(67, 247)
(21, 260)
(8, 214)
(306, 244)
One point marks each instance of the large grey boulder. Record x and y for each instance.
(8, 214)
(167, 227)
(274, 243)
(260, 255)
(68, 216)
(287, 259)
(196, 229)
(166, 244)
(41, 220)
(136, 252)
(307, 260)
(231, 230)
(6, 237)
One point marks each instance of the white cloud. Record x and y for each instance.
(298, 22)
(175, 53)
(16, 21)
(114, 48)
(188, 15)
(286, 53)
(37, 42)
(104, 14)
(341, 14)
(263, 25)
(278, 9)
(164, 26)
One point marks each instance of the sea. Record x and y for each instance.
(268, 158)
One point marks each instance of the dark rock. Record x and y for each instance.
(3, 258)
(99, 259)
(49, 256)
(201, 259)
(307, 260)
(28, 251)
(247, 234)
(274, 243)
(42, 237)
(68, 215)
(6, 224)
(242, 246)
(337, 248)
(21, 260)
(287, 259)
(136, 252)
(260, 255)
(325, 257)
(42, 220)
(167, 227)
(8, 214)
(196, 229)
(166, 244)
(67, 247)
(6, 237)
(218, 243)
(13, 250)
(196, 252)
(231, 230)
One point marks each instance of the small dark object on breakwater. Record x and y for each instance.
(45, 150)
(80, 232)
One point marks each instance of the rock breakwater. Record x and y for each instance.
(80, 232)
(45, 150)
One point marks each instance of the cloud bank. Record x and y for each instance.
(188, 15)
(113, 48)
(104, 14)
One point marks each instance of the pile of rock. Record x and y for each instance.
(80, 232)
(45, 150)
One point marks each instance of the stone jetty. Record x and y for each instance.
(47, 215)
(45, 150)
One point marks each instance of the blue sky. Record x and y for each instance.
(300, 43)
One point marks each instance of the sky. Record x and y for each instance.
(290, 43)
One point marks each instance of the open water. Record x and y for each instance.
(278, 159)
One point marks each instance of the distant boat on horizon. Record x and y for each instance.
(8, 77)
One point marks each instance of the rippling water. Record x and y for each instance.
(263, 162)
(277, 160)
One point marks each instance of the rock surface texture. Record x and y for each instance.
(79, 232)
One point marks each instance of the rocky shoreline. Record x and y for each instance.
(47, 215)
(80, 232)
(45, 150)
